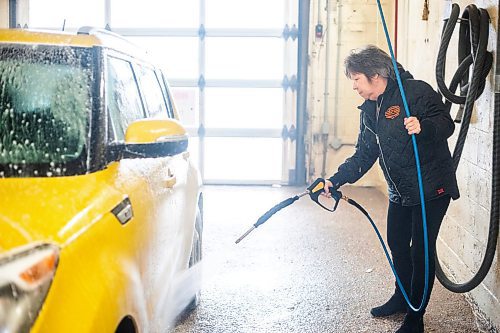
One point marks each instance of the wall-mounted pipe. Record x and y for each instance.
(303, 51)
(396, 9)
(12, 14)
(336, 142)
(325, 126)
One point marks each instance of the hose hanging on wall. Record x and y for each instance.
(473, 40)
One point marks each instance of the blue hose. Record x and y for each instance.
(420, 183)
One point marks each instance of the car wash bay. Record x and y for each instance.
(305, 270)
(236, 82)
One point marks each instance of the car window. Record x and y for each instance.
(166, 93)
(122, 96)
(152, 92)
(45, 104)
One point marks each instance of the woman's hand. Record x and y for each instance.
(412, 125)
(327, 193)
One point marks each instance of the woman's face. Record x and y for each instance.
(365, 88)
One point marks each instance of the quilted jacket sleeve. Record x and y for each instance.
(361, 161)
(435, 122)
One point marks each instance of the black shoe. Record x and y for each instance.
(412, 324)
(396, 304)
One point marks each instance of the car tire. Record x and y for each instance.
(196, 252)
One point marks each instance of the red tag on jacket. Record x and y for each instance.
(440, 191)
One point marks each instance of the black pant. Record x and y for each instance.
(405, 238)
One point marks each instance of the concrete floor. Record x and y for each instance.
(305, 270)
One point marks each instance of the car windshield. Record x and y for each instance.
(45, 107)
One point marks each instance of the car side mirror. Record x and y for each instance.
(148, 138)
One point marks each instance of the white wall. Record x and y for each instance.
(464, 230)
(4, 13)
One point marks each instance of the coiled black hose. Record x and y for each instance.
(473, 39)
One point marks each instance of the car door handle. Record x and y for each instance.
(170, 181)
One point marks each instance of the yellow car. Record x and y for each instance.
(100, 205)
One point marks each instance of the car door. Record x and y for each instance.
(158, 105)
(154, 186)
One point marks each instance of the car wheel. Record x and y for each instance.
(196, 251)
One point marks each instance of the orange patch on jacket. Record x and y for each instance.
(392, 112)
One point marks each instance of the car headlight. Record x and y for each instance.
(25, 278)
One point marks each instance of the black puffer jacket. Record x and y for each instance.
(386, 138)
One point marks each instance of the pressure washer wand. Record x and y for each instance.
(314, 191)
(267, 215)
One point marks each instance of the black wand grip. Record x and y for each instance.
(275, 209)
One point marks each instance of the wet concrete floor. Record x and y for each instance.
(305, 270)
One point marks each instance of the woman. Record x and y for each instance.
(385, 133)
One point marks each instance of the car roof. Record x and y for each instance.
(85, 37)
